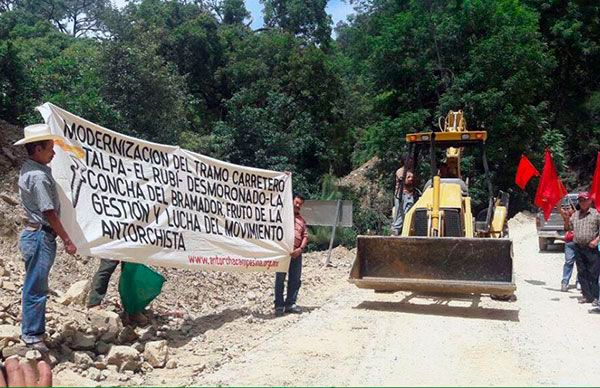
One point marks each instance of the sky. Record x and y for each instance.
(338, 9)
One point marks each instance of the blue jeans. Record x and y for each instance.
(294, 272)
(39, 250)
(569, 262)
(588, 266)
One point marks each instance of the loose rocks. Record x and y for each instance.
(9, 332)
(125, 357)
(107, 323)
(156, 353)
(83, 341)
(77, 293)
(82, 359)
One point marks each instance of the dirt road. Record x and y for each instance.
(358, 337)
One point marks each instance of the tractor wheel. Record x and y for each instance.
(543, 244)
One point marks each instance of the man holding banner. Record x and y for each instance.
(295, 270)
(37, 242)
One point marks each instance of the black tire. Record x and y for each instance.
(543, 244)
(504, 298)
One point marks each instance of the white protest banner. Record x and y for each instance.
(127, 199)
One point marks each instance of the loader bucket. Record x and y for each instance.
(426, 264)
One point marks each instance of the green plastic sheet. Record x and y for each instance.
(138, 286)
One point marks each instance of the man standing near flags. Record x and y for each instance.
(585, 224)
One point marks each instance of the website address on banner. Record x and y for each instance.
(231, 261)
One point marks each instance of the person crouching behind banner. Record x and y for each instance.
(37, 242)
(100, 282)
(100, 286)
(295, 270)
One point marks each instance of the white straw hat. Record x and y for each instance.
(37, 132)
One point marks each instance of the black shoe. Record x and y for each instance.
(564, 287)
(595, 303)
(293, 309)
(594, 310)
(279, 312)
(583, 299)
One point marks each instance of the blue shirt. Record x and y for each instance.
(38, 192)
(408, 200)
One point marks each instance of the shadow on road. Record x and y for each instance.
(441, 306)
(536, 282)
(553, 289)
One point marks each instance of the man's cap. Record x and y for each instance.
(37, 132)
(583, 195)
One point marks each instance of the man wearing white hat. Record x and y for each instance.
(37, 242)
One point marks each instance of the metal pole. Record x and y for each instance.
(488, 217)
(432, 156)
(337, 220)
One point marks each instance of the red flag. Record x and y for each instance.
(525, 172)
(595, 189)
(550, 190)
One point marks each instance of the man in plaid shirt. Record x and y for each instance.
(585, 224)
(295, 270)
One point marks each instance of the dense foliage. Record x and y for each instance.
(290, 97)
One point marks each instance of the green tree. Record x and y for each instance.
(147, 92)
(284, 112)
(572, 32)
(12, 83)
(73, 17)
(234, 11)
(307, 19)
(195, 48)
(505, 84)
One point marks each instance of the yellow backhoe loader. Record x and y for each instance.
(443, 247)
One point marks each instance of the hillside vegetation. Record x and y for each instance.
(291, 97)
